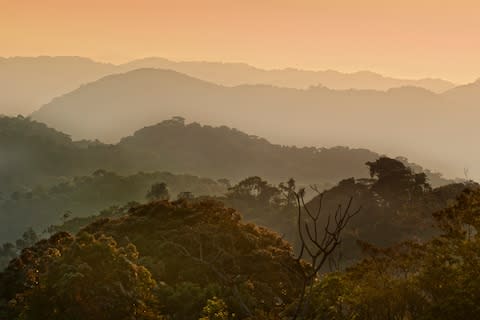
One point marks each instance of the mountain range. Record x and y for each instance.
(29, 82)
(34, 154)
(234, 74)
(105, 101)
(437, 129)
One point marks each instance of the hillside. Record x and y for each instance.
(146, 96)
(43, 171)
(468, 94)
(225, 152)
(33, 153)
(36, 154)
(80, 196)
(161, 258)
(416, 119)
(185, 259)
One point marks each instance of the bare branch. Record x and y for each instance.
(318, 251)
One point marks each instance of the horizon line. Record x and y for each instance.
(257, 67)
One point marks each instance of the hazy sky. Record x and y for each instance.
(431, 38)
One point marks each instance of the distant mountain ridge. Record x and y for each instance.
(414, 118)
(234, 74)
(161, 94)
(29, 82)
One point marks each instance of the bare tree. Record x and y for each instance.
(317, 243)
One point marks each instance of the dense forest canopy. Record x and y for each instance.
(81, 196)
(183, 259)
(169, 258)
(398, 201)
(115, 238)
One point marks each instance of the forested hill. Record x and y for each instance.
(145, 265)
(32, 153)
(81, 196)
(225, 152)
(218, 152)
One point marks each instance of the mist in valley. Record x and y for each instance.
(218, 161)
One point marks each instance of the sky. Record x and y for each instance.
(405, 39)
(409, 39)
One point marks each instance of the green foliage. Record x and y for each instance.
(264, 204)
(206, 244)
(397, 205)
(29, 149)
(8, 250)
(29, 238)
(185, 300)
(81, 196)
(194, 258)
(216, 309)
(193, 250)
(225, 152)
(91, 278)
(396, 182)
(158, 191)
(396, 219)
(433, 280)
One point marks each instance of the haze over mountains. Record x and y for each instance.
(29, 82)
(29, 148)
(306, 160)
(419, 119)
(437, 130)
(44, 169)
(234, 74)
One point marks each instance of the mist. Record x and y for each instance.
(436, 130)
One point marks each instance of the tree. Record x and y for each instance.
(92, 278)
(216, 309)
(318, 242)
(185, 195)
(265, 204)
(29, 238)
(288, 191)
(207, 245)
(158, 191)
(395, 182)
(254, 190)
(435, 279)
(8, 251)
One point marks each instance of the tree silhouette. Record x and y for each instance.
(158, 191)
(318, 242)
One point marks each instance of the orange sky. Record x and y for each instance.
(431, 38)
